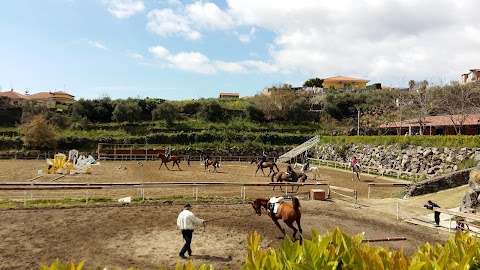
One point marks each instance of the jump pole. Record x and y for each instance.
(385, 239)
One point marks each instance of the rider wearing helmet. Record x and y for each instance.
(264, 158)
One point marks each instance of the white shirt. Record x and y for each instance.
(187, 220)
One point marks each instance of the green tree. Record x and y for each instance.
(300, 110)
(31, 108)
(127, 110)
(212, 111)
(38, 133)
(254, 113)
(276, 106)
(191, 107)
(314, 82)
(167, 111)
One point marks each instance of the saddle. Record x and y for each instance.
(273, 204)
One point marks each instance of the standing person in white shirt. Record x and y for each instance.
(186, 221)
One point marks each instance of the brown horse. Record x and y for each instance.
(289, 212)
(267, 164)
(212, 162)
(283, 177)
(174, 159)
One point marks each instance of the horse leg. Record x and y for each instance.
(278, 224)
(299, 227)
(161, 165)
(177, 166)
(290, 224)
(262, 170)
(257, 171)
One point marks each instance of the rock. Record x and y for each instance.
(470, 199)
(474, 180)
(427, 153)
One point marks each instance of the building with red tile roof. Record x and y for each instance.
(50, 99)
(15, 98)
(437, 125)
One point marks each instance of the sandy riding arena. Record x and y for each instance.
(144, 234)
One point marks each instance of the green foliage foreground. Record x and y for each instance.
(339, 251)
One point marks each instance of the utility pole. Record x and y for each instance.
(358, 121)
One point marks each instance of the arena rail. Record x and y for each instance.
(371, 185)
(32, 186)
(470, 216)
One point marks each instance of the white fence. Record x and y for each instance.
(21, 191)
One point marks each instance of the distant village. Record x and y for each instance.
(340, 83)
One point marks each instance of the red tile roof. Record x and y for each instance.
(344, 79)
(14, 95)
(41, 95)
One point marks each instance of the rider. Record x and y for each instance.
(355, 162)
(290, 172)
(355, 167)
(306, 166)
(264, 158)
(167, 154)
(207, 158)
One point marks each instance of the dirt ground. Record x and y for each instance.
(145, 235)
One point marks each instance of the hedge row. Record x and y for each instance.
(180, 138)
(423, 140)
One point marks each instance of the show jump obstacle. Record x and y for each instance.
(111, 151)
(71, 165)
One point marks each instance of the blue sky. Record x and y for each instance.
(196, 49)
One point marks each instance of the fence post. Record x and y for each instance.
(398, 210)
(368, 196)
(86, 197)
(355, 199)
(25, 198)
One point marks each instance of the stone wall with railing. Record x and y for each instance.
(428, 161)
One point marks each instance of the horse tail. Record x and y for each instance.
(296, 203)
(276, 167)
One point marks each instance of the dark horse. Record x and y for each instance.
(267, 164)
(283, 177)
(289, 212)
(174, 159)
(212, 162)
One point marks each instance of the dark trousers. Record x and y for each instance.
(187, 236)
(437, 217)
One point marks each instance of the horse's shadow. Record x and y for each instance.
(212, 258)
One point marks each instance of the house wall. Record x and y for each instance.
(339, 84)
(63, 98)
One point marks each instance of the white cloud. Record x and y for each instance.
(198, 63)
(208, 15)
(166, 22)
(135, 56)
(172, 2)
(97, 45)
(192, 61)
(159, 52)
(246, 38)
(124, 8)
(389, 39)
